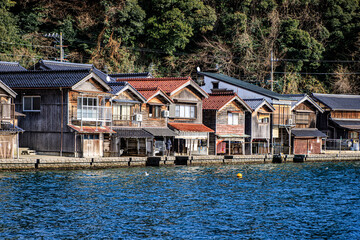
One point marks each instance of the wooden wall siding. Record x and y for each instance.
(49, 117)
(259, 130)
(90, 85)
(150, 121)
(48, 141)
(345, 114)
(222, 126)
(186, 96)
(126, 95)
(281, 114)
(299, 116)
(209, 118)
(307, 146)
(8, 143)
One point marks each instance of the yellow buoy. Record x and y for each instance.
(239, 175)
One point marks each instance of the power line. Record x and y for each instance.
(29, 45)
(305, 73)
(309, 60)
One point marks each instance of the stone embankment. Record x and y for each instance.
(41, 162)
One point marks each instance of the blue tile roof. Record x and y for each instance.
(244, 85)
(256, 102)
(117, 86)
(43, 79)
(55, 65)
(10, 66)
(339, 101)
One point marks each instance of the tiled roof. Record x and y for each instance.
(351, 124)
(131, 75)
(56, 65)
(190, 127)
(307, 132)
(43, 79)
(168, 85)
(339, 101)
(216, 101)
(245, 85)
(117, 86)
(88, 129)
(132, 133)
(8, 127)
(161, 132)
(254, 103)
(258, 102)
(10, 66)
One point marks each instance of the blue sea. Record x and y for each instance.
(270, 201)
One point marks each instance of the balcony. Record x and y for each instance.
(92, 114)
(284, 120)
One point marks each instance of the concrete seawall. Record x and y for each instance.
(42, 162)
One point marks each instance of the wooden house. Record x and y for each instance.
(66, 112)
(185, 112)
(258, 126)
(130, 138)
(306, 138)
(224, 112)
(282, 118)
(9, 130)
(341, 117)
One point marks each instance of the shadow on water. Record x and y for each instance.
(312, 200)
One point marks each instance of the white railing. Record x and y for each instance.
(94, 113)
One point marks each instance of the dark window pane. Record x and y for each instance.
(27, 103)
(36, 104)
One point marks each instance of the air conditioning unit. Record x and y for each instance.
(290, 121)
(165, 114)
(138, 117)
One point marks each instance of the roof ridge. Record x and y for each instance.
(155, 79)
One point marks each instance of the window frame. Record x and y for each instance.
(185, 111)
(231, 117)
(32, 103)
(154, 111)
(118, 109)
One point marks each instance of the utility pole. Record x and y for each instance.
(61, 48)
(272, 71)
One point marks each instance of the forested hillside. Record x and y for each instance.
(315, 43)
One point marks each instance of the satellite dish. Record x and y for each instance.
(198, 69)
(108, 78)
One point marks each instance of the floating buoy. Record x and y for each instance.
(239, 175)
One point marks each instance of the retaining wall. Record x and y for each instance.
(52, 162)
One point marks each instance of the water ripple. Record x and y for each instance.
(271, 201)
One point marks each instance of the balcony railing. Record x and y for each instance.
(92, 114)
(284, 119)
(7, 111)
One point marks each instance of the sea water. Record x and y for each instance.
(270, 201)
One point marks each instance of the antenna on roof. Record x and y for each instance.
(198, 69)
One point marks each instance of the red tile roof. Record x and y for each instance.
(190, 127)
(148, 93)
(168, 84)
(88, 129)
(217, 100)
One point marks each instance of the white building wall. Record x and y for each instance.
(243, 93)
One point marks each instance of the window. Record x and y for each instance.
(154, 111)
(87, 108)
(263, 118)
(121, 112)
(185, 111)
(302, 118)
(233, 118)
(215, 85)
(31, 103)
